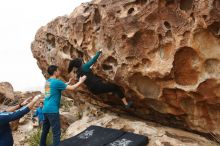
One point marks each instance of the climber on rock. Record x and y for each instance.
(95, 83)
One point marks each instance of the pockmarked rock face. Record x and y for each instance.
(6, 91)
(165, 54)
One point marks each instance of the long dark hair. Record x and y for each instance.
(75, 63)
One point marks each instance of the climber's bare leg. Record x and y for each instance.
(109, 87)
(124, 100)
(126, 103)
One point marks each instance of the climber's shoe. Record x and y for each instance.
(129, 105)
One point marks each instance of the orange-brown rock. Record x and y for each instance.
(6, 91)
(165, 54)
(27, 94)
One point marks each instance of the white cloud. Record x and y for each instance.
(20, 20)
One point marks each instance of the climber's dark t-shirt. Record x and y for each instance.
(6, 138)
(91, 79)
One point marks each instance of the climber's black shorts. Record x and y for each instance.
(102, 87)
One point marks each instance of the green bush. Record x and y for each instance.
(34, 139)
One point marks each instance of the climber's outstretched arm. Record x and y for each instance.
(73, 87)
(87, 65)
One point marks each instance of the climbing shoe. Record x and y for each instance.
(129, 105)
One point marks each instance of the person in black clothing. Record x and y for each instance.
(95, 83)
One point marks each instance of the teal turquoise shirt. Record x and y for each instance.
(53, 89)
(38, 113)
(87, 65)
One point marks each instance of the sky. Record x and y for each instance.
(20, 20)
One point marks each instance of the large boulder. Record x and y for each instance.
(6, 91)
(164, 54)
